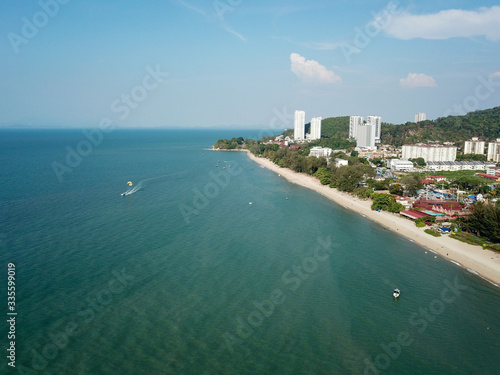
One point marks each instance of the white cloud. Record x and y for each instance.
(495, 75)
(447, 24)
(417, 80)
(312, 71)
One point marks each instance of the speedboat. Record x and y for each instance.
(396, 293)
(123, 194)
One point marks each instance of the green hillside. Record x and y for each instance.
(484, 124)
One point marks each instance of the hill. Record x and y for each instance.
(484, 124)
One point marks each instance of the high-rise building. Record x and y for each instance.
(429, 152)
(354, 122)
(377, 122)
(366, 137)
(299, 126)
(420, 116)
(474, 146)
(494, 151)
(315, 128)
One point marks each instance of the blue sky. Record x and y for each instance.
(242, 63)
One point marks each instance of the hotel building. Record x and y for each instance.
(354, 122)
(299, 125)
(315, 128)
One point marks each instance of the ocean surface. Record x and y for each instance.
(184, 276)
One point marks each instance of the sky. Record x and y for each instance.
(242, 63)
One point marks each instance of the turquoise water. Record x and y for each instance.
(184, 276)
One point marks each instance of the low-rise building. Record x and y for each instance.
(447, 208)
(319, 151)
(400, 165)
(494, 171)
(440, 166)
(341, 162)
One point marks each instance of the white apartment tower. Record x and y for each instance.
(299, 126)
(377, 122)
(494, 151)
(474, 146)
(420, 116)
(354, 122)
(366, 137)
(315, 128)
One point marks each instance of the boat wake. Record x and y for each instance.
(148, 182)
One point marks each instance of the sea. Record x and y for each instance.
(210, 264)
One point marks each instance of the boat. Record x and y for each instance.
(396, 293)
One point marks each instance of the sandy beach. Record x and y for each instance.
(486, 263)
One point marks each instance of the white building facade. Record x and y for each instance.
(420, 116)
(377, 122)
(399, 165)
(299, 125)
(315, 128)
(450, 166)
(354, 122)
(320, 151)
(366, 137)
(429, 152)
(494, 151)
(474, 146)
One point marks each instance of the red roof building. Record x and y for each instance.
(414, 214)
(448, 208)
(490, 176)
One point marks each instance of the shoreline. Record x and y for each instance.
(483, 263)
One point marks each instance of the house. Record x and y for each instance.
(446, 208)
(435, 178)
(341, 162)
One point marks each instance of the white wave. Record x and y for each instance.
(143, 183)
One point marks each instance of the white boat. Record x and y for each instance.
(396, 293)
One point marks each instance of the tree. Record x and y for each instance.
(347, 178)
(324, 175)
(419, 161)
(386, 202)
(412, 182)
(396, 189)
(484, 220)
